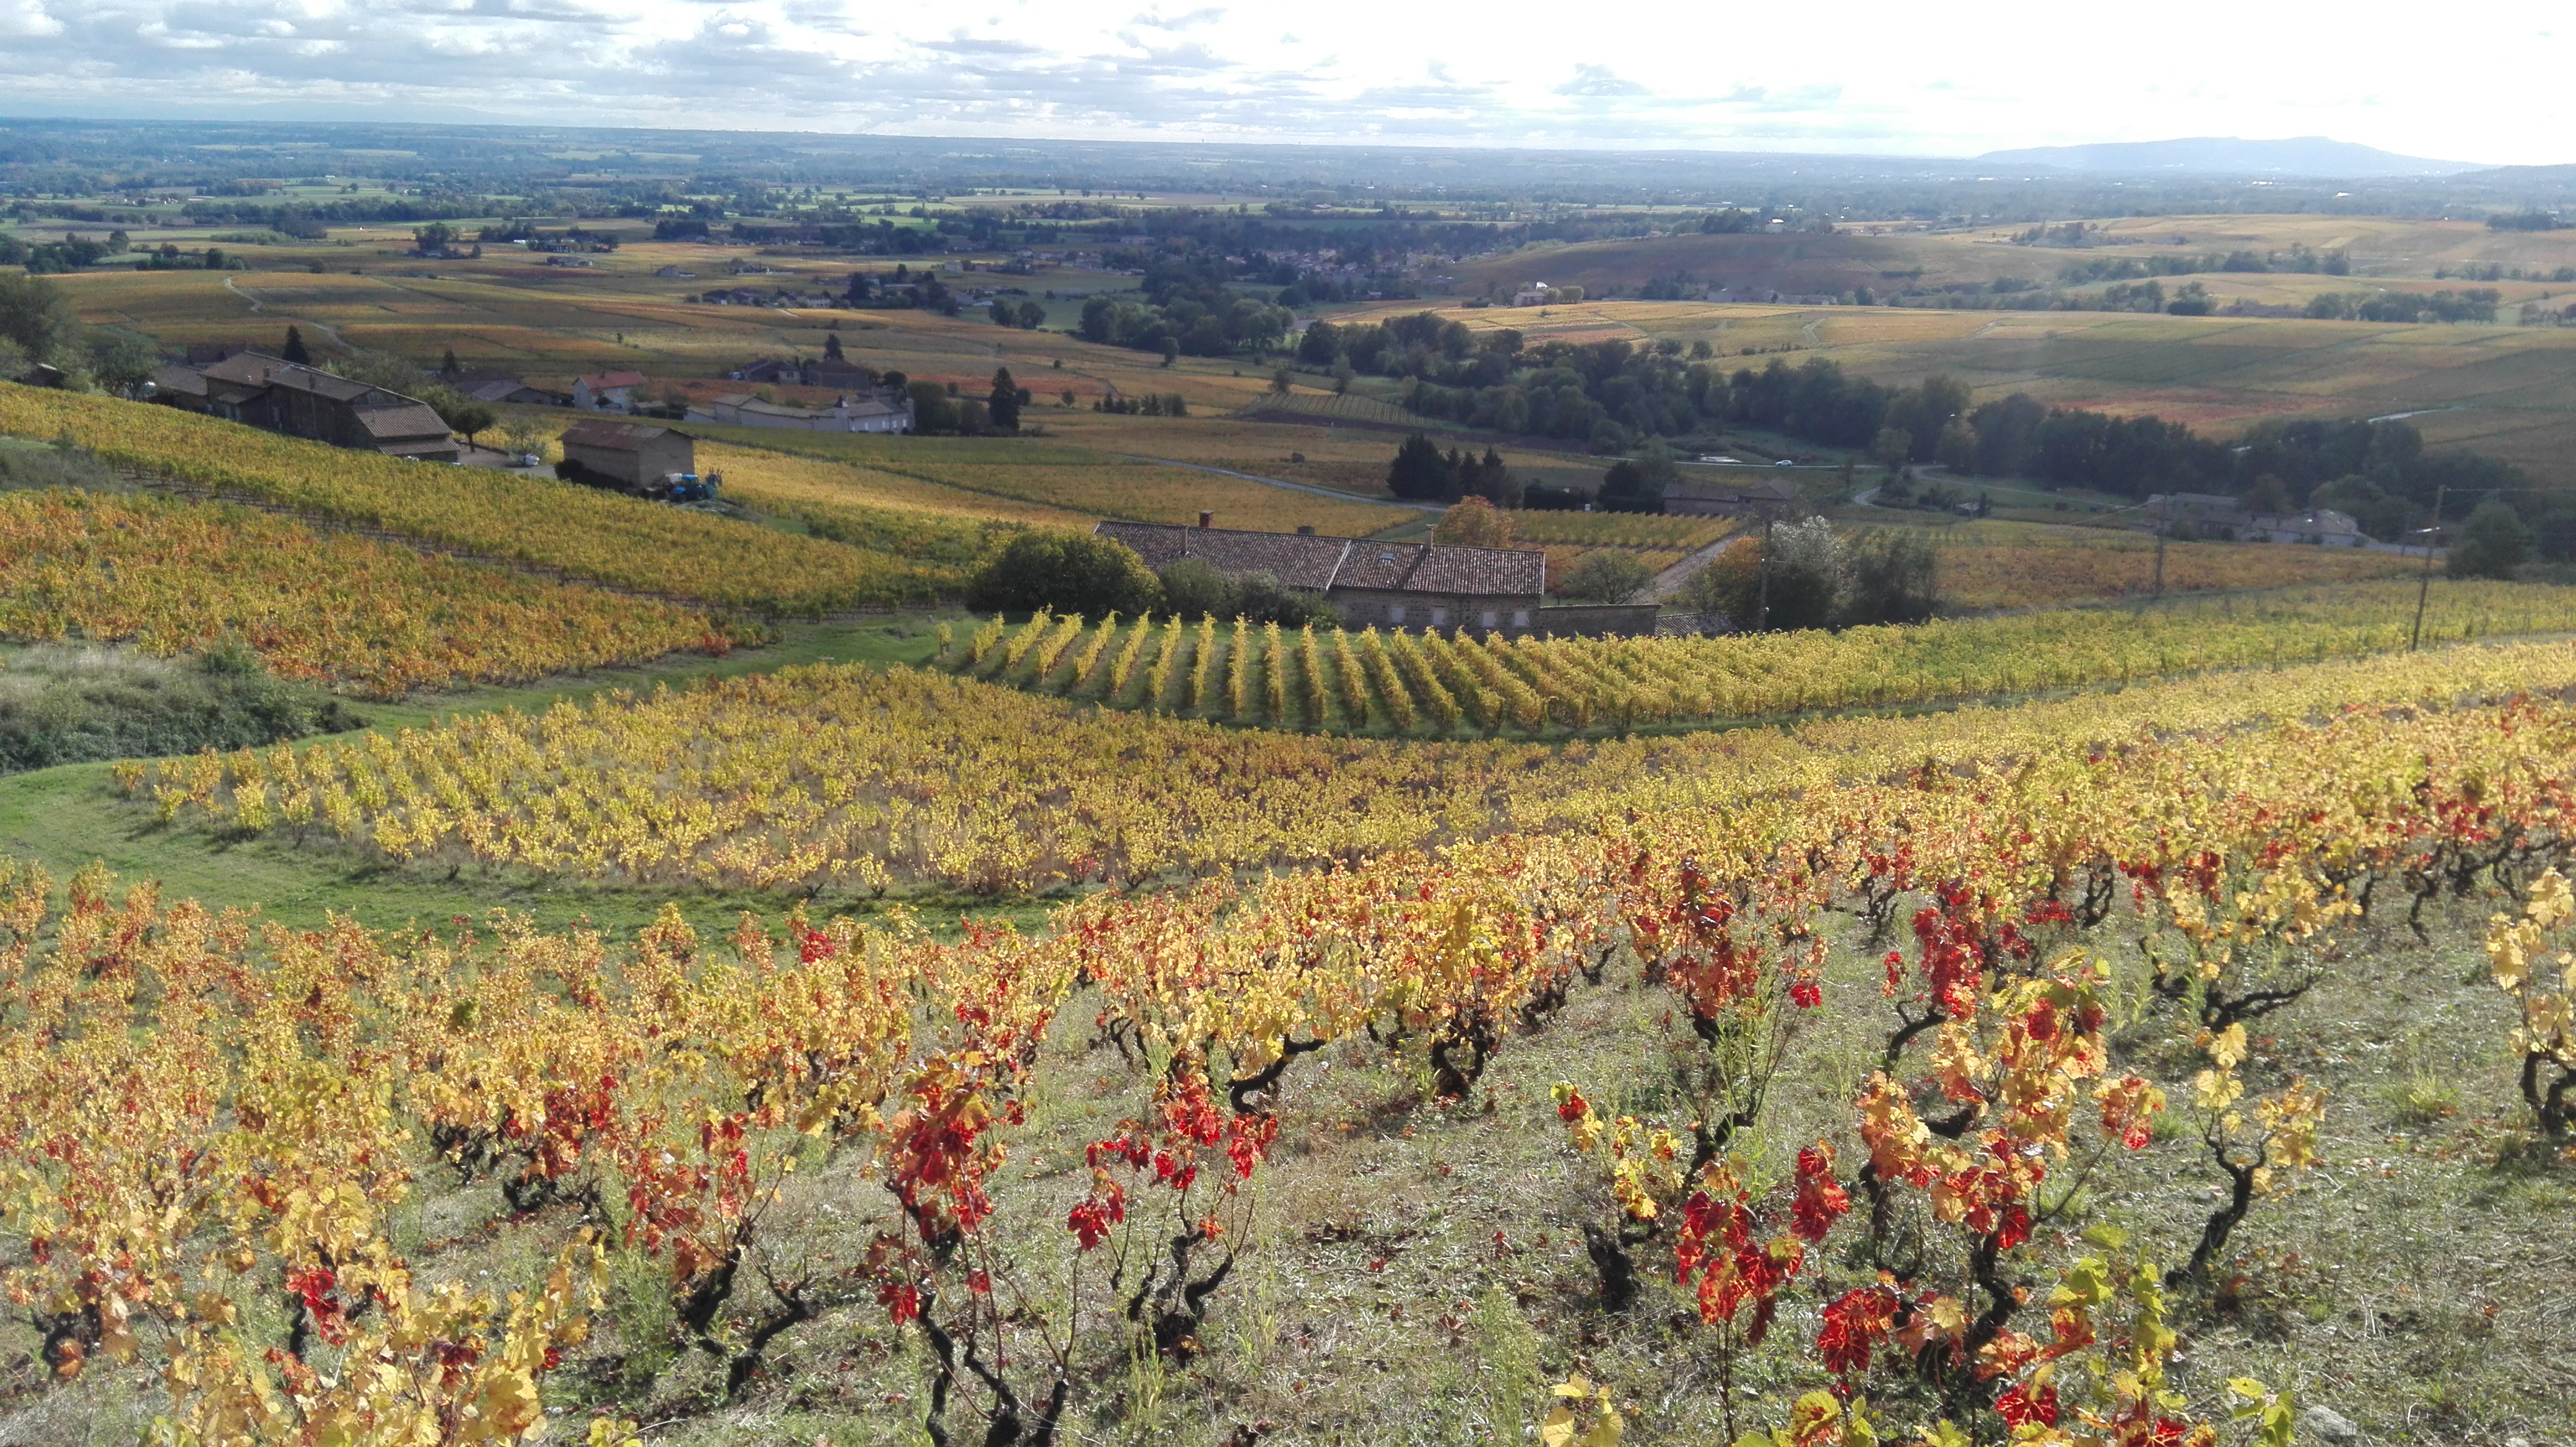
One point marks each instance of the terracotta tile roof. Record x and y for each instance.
(187, 381)
(1297, 560)
(255, 370)
(1478, 570)
(417, 445)
(402, 424)
(249, 368)
(612, 436)
(606, 381)
(1318, 563)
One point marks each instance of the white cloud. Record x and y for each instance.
(1656, 74)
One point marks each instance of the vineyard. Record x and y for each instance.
(580, 532)
(1043, 482)
(175, 577)
(1431, 684)
(2017, 566)
(1641, 531)
(2001, 1095)
(840, 778)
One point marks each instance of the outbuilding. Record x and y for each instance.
(629, 456)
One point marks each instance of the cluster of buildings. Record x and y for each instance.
(2214, 515)
(880, 410)
(1373, 583)
(277, 395)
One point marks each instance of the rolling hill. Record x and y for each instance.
(2229, 156)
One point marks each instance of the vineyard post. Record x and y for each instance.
(2424, 588)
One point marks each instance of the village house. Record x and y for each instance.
(608, 391)
(629, 456)
(276, 395)
(821, 372)
(2215, 515)
(877, 411)
(1372, 583)
(512, 390)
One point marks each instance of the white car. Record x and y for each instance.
(1729, 461)
(1784, 462)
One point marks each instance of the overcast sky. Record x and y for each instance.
(1857, 76)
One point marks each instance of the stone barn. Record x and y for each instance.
(624, 455)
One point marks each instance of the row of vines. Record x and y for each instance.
(1431, 683)
(852, 779)
(177, 577)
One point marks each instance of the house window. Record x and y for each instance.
(1520, 617)
(1439, 616)
(1395, 614)
(1492, 617)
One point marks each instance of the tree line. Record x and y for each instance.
(1622, 398)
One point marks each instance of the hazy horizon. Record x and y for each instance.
(1660, 77)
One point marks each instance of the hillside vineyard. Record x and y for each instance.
(254, 1123)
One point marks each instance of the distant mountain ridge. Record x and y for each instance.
(2230, 156)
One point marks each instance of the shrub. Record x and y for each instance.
(1068, 572)
(1890, 579)
(1609, 575)
(1473, 523)
(76, 705)
(1192, 589)
(2493, 543)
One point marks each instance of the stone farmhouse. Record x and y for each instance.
(276, 395)
(2214, 515)
(1373, 583)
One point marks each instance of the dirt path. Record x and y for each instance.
(1673, 579)
(259, 307)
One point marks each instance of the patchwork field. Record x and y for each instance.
(2503, 390)
(2381, 249)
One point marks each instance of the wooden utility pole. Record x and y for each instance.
(1762, 612)
(2160, 562)
(2424, 589)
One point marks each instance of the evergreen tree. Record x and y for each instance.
(295, 350)
(1418, 472)
(1004, 401)
(832, 347)
(447, 365)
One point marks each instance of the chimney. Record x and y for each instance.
(1207, 519)
(1305, 530)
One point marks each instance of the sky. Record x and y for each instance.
(1858, 76)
